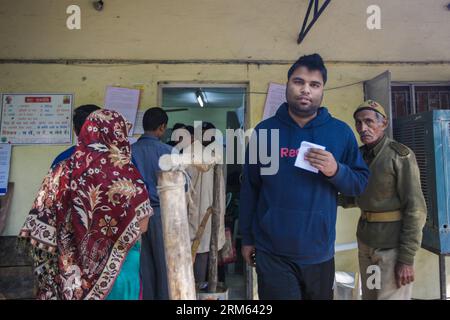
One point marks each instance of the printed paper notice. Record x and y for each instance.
(276, 96)
(300, 161)
(5, 160)
(138, 128)
(123, 100)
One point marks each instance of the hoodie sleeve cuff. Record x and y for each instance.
(337, 176)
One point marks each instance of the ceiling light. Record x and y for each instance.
(200, 98)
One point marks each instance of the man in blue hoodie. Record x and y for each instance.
(288, 219)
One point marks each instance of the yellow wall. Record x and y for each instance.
(224, 29)
(204, 30)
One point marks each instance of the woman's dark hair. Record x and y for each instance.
(178, 125)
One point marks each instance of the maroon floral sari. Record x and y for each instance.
(86, 215)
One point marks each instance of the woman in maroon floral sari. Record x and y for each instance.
(88, 215)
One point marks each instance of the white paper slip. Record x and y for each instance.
(300, 161)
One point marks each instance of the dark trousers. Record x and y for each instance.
(280, 278)
(153, 261)
(201, 267)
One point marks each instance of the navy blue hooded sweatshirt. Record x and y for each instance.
(293, 212)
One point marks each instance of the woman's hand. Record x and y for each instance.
(143, 224)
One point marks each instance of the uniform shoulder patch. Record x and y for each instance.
(401, 149)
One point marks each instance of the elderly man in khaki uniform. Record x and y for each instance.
(393, 209)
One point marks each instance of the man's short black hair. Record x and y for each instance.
(153, 118)
(178, 125)
(207, 125)
(80, 115)
(190, 129)
(312, 62)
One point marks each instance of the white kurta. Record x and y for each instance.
(199, 198)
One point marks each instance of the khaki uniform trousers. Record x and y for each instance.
(385, 259)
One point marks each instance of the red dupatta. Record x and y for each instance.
(87, 212)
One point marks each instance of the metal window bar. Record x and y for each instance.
(317, 12)
(413, 95)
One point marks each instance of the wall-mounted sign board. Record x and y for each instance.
(5, 160)
(36, 118)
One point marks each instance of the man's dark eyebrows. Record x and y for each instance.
(298, 78)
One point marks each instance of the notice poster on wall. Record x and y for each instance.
(123, 100)
(276, 96)
(5, 160)
(36, 118)
(138, 127)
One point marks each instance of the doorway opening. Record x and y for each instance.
(224, 105)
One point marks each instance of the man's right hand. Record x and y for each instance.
(248, 252)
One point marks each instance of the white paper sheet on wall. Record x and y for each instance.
(138, 128)
(276, 96)
(123, 100)
(5, 161)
